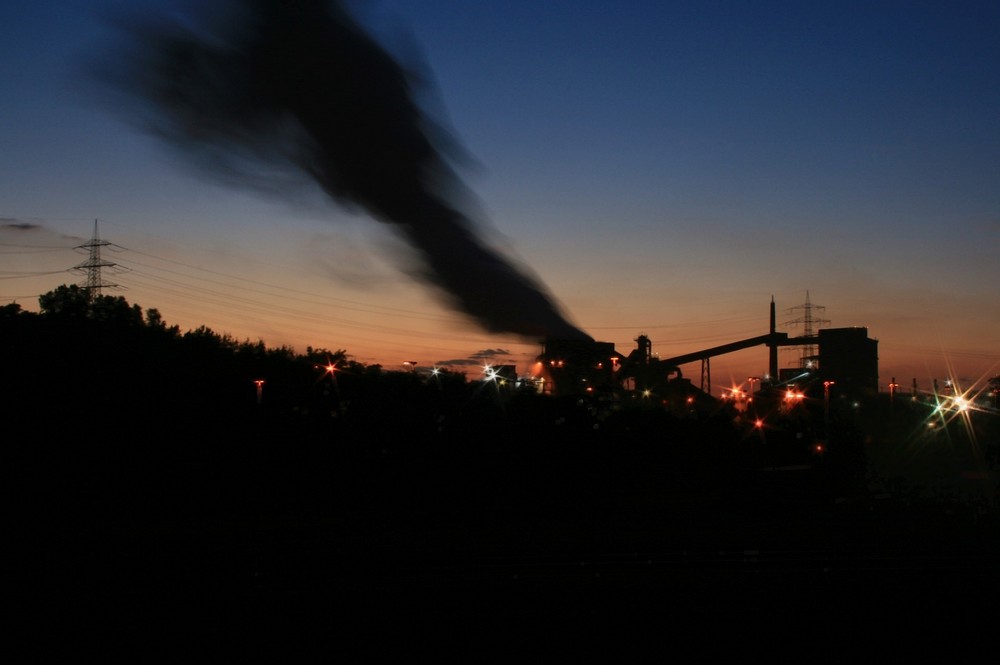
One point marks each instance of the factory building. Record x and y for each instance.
(598, 370)
(845, 356)
(849, 358)
(569, 367)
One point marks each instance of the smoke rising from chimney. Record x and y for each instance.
(269, 92)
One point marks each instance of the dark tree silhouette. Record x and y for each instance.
(65, 301)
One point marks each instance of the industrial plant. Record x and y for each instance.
(844, 357)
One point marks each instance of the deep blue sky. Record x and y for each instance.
(664, 167)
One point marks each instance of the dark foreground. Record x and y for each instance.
(489, 551)
(187, 497)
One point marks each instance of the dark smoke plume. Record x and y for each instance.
(270, 91)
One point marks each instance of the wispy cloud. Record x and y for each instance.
(16, 224)
(457, 362)
(475, 359)
(486, 354)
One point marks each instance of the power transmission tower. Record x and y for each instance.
(93, 280)
(809, 358)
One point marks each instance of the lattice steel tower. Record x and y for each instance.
(809, 357)
(93, 280)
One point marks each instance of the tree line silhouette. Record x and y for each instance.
(129, 415)
(101, 367)
(147, 474)
(99, 382)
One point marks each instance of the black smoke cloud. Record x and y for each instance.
(264, 93)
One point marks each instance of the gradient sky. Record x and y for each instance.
(664, 168)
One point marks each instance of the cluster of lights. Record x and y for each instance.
(490, 374)
(740, 398)
(958, 405)
(955, 404)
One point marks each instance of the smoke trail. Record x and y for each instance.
(271, 91)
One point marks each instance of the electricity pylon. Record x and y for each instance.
(808, 360)
(93, 280)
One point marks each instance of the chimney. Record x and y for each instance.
(772, 348)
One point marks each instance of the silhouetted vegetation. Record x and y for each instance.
(151, 458)
(102, 382)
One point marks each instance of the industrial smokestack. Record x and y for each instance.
(270, 90)
(772, 348)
